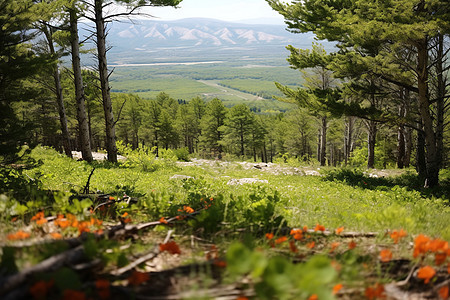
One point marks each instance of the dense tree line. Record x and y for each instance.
(382, 99)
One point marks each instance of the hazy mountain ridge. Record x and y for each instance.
(144, 34)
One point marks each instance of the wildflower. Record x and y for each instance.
(305, 228)
(103, 289)
(241, 298)
(19, 235)
(170, 247)
(443, 292)
(420, 245)
(385, 255)
(188, 209)
(292, 247)
(41, 221)
(397, 235)
(313, 297)
(337, 288)
(162, 220)
(14, 219)
(56, 235)
(269, 236)
(374, 292)
(334, 246)
(319, 228)
(73, 295)
(123, 218)
(297, 234)
(339, 230)
(136, 278)
(280, 240)
(426, 273)
(40, 289)
(439, 258)
(311, 245)
(38, 216)
(111, 198)
(220, 263)
(351, 245)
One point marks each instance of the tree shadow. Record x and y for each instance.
(410, 181)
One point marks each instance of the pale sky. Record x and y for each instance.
(226, 10)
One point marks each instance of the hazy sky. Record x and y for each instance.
(227, 10)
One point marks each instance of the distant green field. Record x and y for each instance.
(232, 83)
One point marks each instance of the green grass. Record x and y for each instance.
(304, 200)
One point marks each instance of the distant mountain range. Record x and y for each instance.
(148, 41)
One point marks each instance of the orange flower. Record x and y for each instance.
(292, 247)
(14, 219)
(339, 230)
(123, 218)
(136, 278)
(439, 258)
(319, 228)
(19, 235)
(305, 228)
(220, 263)
(426, 273)
(443, 292)
(56, 235)
(297, 234)
(420, 245)
(373, 292)
(170, 247)
(188, 209)
(269, 236)
(334, 246)
(73, 295)
(351, 245)
(281, 240)
(241, 298)
(337, 288)
(162, 220)
(41, 221)
(39, 290)
(385, 255)
(313, 297)
(111, 198)
(103, 289)
(311, 245)
(397, 235)
(39, 215)
(437, 245)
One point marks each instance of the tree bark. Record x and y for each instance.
(83, 128)
(323, 141)
(432, 162)
(59, 96)
(110, 131)
(371, 141)
(440, 99)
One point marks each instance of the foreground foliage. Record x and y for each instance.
(216, 230)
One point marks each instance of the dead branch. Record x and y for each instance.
(72, 256)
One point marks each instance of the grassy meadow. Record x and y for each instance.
(232, 216)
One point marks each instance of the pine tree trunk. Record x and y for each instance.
(421, 165)
(440, 100)
(348, 138)
(371, 141)
(104, 82)
(83, 128)
(323, 141)
(432, 161)
(59, 97)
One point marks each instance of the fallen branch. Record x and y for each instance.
(142, 259)
(69, 257)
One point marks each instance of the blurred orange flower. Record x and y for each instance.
(40, 289)
(351, 245)
(420, 245)
(311, 245)
(297, 234)
(319, 228)
(38, 216)
(269, 236)
(162, 220)
(443, 292)
(19, 235)
(397, 235)
(103, 289)
(426, 273)
(136, 278)
(313, 297)
(334, 246)
(281, 240)
(337, 288)
(339, 230)
(373, 292)
(385, 255)
(292, 247)
(170, 247)
(56, 235)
